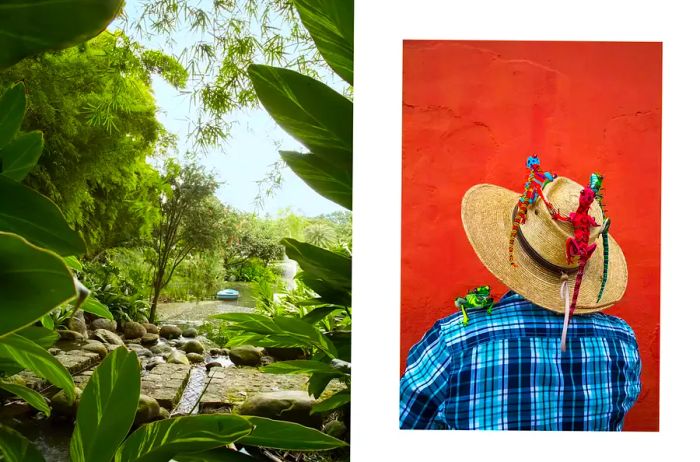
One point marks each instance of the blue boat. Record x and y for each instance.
(227, 294)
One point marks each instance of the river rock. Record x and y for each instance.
(195, 358)
(102, 323)
(213, 364)
(77, 323)
(133, 330)
(161, 349)
(178, 357)
(111, 347)
(190, 332)
(246, 355)
(150, 328)
(106, 336)
(193, 346)
(147, 411)
(153, 362)
(170, 332)
(265, 360)
(289, 405)
(149, 339)
(285, 354)
(54, 351)
(61, 406)
(96, 347)
(215, 352)
(133, 341)
(335, 428)
(164, 414)
(71, 335)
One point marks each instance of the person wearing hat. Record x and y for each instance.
(523, 363)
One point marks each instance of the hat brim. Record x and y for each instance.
(487, 216)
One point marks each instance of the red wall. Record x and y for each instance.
(474, 111)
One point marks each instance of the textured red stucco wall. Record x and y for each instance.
(473, 112)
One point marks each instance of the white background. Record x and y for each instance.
(380, 27)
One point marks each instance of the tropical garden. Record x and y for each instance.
(117, 246)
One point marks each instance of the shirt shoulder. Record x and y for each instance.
(513, 316)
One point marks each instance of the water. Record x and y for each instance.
(189, 401)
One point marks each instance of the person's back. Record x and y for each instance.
(506, 371)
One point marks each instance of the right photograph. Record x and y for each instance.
(531, 219)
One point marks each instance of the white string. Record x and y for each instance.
(564, 293)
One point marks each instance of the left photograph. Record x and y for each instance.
(176, 230)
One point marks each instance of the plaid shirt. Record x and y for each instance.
(506, 371)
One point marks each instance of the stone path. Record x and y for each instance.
(73, 360)
(165, 383)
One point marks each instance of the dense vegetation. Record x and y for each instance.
(102, 214)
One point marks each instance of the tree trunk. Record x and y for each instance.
(157, 285)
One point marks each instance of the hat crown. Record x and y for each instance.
(547, 236)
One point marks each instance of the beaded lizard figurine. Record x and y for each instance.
(536, 181)
(578, 245)
(596, 185)
(476, 298)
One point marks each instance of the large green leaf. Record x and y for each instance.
(316, 115)
(333, 268)
(16, 448)
(160, 441)
(12, 106)
(301, 366)
(37, 219)
(318, 383)
(107, 408)
(318, 314)
(334, 402)
(19, 156)
(289, 436)
(329, 293)
(280, 341)
(42, 336)
(28, 27)
(331, 25)
(33, 281)
(279, 327)
(31, 356)
(34, 399)
(329, 179)
(94, 306)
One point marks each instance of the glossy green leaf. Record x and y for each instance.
(33, 281)
(331, 180)
(316, 115)
(42, 336)
(280, 341)
(47, 321)
(20, 155)
(331, 25)
(160, 441)
(73, 263)
(318, 314)
(16, 448)
(334, 402)
(94, 306)
(34, 399)
(216, 455)
(318, 383)
(301, 366)
(330, 294)
(12, 106)
(37, 219)
(33, 357)
(333, 268)
(29, 27)
(279, 327)
(107, 408)
(290, 436)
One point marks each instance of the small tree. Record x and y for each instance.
(191, 219)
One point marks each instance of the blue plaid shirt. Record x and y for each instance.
(506, 371)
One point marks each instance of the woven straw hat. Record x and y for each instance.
(540, 255)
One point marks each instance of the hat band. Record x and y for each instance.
(539, 259)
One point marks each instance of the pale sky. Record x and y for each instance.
(247, 155)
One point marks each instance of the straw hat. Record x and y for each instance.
(487, 216)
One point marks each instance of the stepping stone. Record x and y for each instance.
(165, 383)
